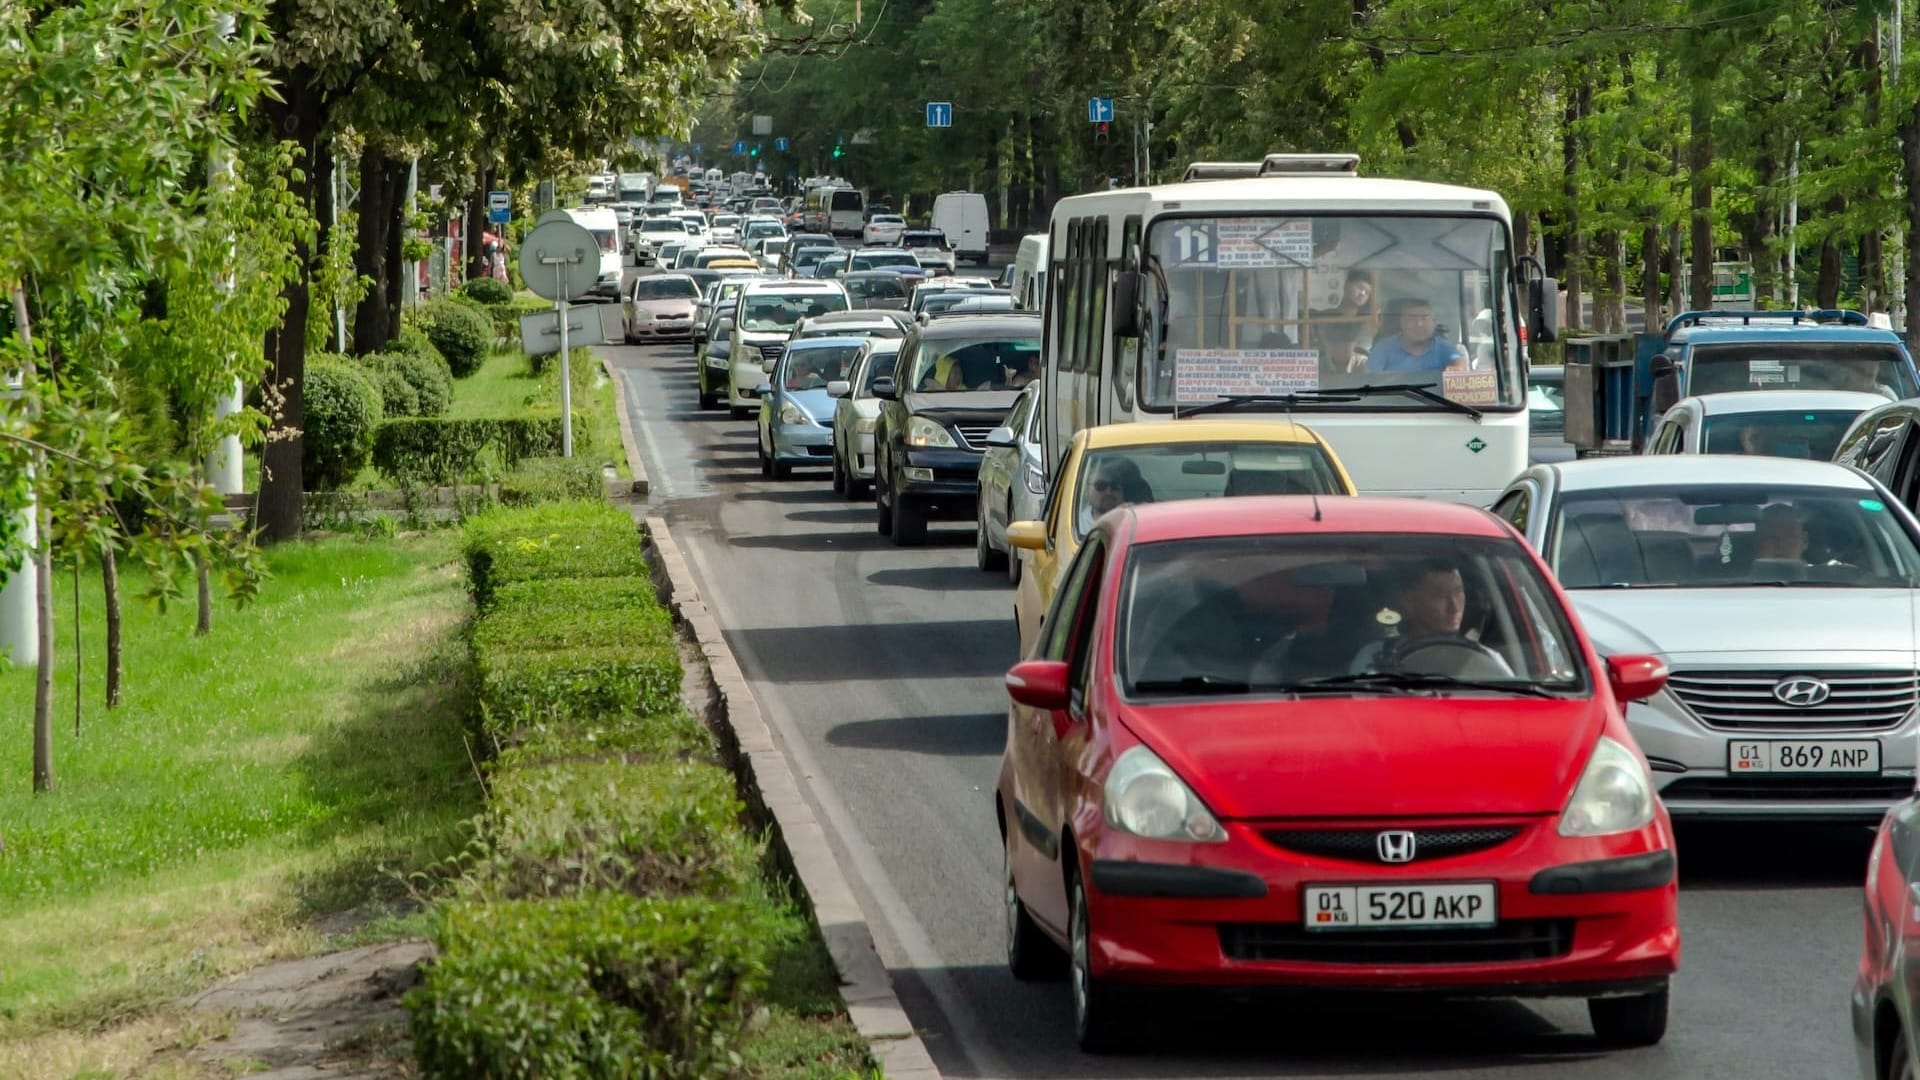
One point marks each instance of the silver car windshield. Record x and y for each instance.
(1728, 536)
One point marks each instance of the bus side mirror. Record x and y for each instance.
(1543, 309)
(1126, 304)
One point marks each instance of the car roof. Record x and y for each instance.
(1736, 402)
(1781, 329)
(1257, 515)
(1010, 323)
(1199, 429)
(796, 286)
(1663, 470)
(858, 315)
(838, 341)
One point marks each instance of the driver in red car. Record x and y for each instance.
(1432, 603)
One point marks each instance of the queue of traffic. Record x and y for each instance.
(1324, 680)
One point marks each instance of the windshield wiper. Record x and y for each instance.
(1345, 395)
(1412, 680)
(1193, 684)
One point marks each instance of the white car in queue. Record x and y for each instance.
(767, 314)
(1776, 423)
(855, 410)
(1782, 595)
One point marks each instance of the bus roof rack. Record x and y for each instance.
(1310, 165)
(1222, 170)
(1843, 316)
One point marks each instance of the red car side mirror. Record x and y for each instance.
(1636, 678)
(1039, 684)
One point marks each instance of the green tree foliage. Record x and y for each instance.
(1610, 127)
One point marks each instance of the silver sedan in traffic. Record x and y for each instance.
(1782, 595)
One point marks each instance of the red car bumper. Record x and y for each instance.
(1231, 915)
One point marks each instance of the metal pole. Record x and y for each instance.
(19, 612)
(413, 202)
(339, 182)
(566, 366)
(223, 463)
(1793, 223)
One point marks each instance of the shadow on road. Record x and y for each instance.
(982, 735)
(855, 540)
(1772, 855)
(852, 514)
(1319, 1034)
(797, 494)
(940, 579)
(878, 652)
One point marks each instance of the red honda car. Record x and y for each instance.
(1345, 743)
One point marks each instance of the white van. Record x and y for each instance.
(605, 227)
(846, 212)
(962, 215)
(1030, 272)
(765, 316)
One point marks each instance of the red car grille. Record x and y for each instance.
(1362, 845)
(1512, 940)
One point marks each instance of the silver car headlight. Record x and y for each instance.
(1036, 480)
(924, 432)
(1145, 798)
(791, 413)
(1614, 795)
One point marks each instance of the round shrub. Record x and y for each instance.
(487, 290)
(397, 395)
(460, 333)
(343, 407)
(427, 376)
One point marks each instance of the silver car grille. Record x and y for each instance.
(1745, 700)
(974, 435)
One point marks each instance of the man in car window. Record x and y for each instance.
(1780, 535)
(1418, 346)
(1431, 604)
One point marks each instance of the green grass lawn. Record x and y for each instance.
(505, 385)
(294, 763)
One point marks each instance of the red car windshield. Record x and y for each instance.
(1343, 614)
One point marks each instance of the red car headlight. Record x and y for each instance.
(1146, 798)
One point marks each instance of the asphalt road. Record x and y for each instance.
(880, 666)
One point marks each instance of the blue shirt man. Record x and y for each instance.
(1417, 347)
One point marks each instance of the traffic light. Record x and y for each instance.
(1100, 132)
(838, 150)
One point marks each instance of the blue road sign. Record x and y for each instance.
(1100, 110)
(939, 114)
(780, 145)
(499, 215)
(740, 146)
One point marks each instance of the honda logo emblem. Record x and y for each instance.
(1804, 692)
(1394, 846)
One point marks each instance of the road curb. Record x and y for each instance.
(628, 441)
(769, 781)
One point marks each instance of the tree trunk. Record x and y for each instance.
(203, 586)
(1610, 310)
(477, 224)
(1910, 162)
(1020, 186)
(1575, 280)
(372, 318)
(993, 184)
(401, 284)
(279, 507)
(43, 677)
(1650, 293)
(1522, 235)
(1699, 163)
(110, 583)
(1826, 289)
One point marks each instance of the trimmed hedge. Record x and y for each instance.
(601, 985)
(486, 290)
(542, 616)
(521, 687)
(673, 736)
(555, 540)
(553, 479)
(441, 450)
(462, 334)
(668, 828)
(427, 374)
(343, 410)
(506, 316)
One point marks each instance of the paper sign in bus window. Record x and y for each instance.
(1201, 375)
(1772, 372)
(1471, 387)
(1255, 242)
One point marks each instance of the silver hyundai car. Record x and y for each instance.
(1784, 596)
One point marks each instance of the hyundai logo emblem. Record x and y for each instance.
(1394, 846)
(1804, 692)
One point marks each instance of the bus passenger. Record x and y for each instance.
(1344, 332)
(1418, 346)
